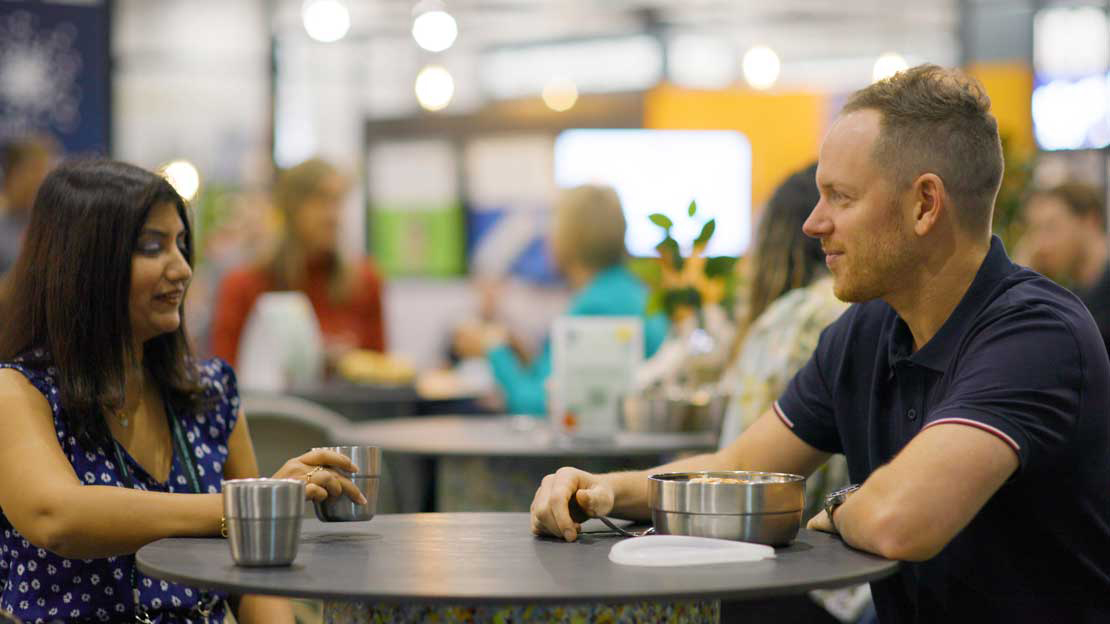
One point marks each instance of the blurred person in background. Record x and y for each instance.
(1065, 239)
(587, 244)
(346, 295)
(790, 302)
(108, 417)
(24, 163)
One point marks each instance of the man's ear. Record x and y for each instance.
(930, 202)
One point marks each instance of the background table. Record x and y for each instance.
(460, 463)
(491, 558)
(361, 402)
(511, 436)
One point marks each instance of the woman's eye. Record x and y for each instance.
(150, 247)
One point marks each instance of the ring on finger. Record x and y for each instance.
(308, 475)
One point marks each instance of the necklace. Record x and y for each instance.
(124, 419)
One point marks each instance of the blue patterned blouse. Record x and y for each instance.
(39, 586)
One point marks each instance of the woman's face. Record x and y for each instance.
(316, 221)
(159, 274)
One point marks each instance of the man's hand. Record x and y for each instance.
(566, 499)
(821, 522)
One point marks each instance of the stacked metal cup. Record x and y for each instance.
(263, 520)
(367, 461)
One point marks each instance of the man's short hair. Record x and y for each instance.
(937, 120)
(1082, 200)
(591, 224)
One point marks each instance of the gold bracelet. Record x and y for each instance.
(223, 526)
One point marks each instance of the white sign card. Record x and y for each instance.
(594, 359)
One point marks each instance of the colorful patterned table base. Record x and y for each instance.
(684, 612)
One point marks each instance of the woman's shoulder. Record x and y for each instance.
(24, 383)
(216, 375)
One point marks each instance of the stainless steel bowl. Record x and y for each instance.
(263, 520)
(765, 508)
(659, 412)
(342, 509)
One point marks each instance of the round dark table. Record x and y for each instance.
(491, 558)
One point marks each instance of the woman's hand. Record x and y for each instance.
(324, 474)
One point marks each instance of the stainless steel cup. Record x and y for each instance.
(367, 460)
(263, 520)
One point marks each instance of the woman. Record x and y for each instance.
(587, 245)
(346, 297)
(114, 436)
(790, 301)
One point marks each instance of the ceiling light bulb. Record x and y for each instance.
(435, 31)
(888, 64)
(560, 94)
(761, 67)
(326, 21)
(434, 88)
(183, 177)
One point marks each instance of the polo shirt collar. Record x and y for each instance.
(936, 353)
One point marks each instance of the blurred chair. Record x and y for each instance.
(284, 426)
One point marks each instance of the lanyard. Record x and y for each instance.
(204, 605)
(181, 449)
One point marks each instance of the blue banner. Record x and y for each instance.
(54, 72)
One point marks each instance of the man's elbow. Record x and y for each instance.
(895, 534)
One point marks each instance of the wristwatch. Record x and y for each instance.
(836, 499)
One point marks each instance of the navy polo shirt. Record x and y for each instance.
(1022, 359)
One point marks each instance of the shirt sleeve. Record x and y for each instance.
(806, 407)
(1020, 379)
(523, 385)
(223, 393)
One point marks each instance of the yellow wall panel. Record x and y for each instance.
(1010, 87)
(784, 129)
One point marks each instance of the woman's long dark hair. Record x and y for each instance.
(785, 258)
(66, 301)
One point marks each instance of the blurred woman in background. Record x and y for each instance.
(108, 418)
(587, 244)
(345, 295)
(790, 301)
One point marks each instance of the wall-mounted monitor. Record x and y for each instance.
(661, 171)
(1071, 84)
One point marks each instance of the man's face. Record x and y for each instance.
(864, 228)
(1055, 237)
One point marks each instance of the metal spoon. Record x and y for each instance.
(623, 532)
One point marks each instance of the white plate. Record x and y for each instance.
(681, 550)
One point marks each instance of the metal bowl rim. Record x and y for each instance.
(672, 477)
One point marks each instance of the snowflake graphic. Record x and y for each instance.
(38, 75)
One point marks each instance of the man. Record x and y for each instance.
(24, 163)
(1066, 239)
(970, 396)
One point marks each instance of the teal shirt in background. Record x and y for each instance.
(613, 292)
